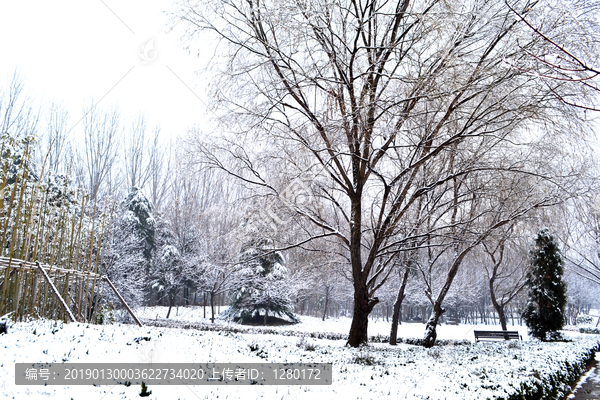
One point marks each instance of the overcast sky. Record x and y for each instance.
(116, 52)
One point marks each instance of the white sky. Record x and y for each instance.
(76, 51)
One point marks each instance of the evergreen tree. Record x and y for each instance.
(544, 314)
(260, 285)
(172, 270)
(132, 247)
(138, 216)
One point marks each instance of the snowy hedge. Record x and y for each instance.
(499, 370)
(595, 331)
(558, 379)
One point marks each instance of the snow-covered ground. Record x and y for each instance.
(334, 325)
(476, 371)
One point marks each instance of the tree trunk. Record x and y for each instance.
(398, 308)
(267, 312)
(431, 326)
(498, 307)
(360, 319)
(171, 301)
(212, 307)
(204, 305)
(502, 317)
(395, 321)
(326, 303)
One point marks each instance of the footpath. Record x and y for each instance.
(588, 387)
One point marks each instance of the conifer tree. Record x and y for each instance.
(132, 247)
(138, 214)
(544, 314)
(260, 285)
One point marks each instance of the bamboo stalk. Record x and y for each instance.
(11, 201)
(41, 220)
(34, 229)
(26, 295)
(34, 203)
(98, 256)
(88, 258)
(45, 302)
(26, 217)
(34, 305)
(73, 236)
(61, 226)
(17, 299)
(20, 203)
(31, 266)
(65, 287)
(64, 305)
(81, 261)
(5, 292)
(2, 187)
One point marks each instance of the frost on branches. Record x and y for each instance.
(545, 310)
(260, 286)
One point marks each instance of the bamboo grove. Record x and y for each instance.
(46, 223)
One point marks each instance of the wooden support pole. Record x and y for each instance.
(120, 298)
(65, 306)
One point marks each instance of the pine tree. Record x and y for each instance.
(132, 248)
(544, 314)
(139, 217)
(172, 270)
(260, 285)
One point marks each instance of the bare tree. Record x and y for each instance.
(566, 60)
(56, 143)
(134, 154)
(404, 273)
(582, 236)
(507, 273)
(381, 96)
(17, 114)
(159, 167)
(101, 129)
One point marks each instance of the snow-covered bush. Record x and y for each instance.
(584, 319)
(105, 315)
(593, 331)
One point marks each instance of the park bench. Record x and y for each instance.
(452, 321)
(497, 335)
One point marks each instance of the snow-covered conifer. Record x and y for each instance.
(544, 314)
(260, 284)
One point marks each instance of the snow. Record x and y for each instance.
(339, 325)
(376, 371)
